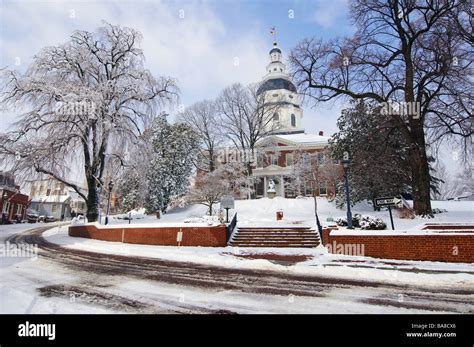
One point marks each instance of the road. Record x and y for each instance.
(64, 280)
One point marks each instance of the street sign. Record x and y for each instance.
(227, 201)
(388, 201)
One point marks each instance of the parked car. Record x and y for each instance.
(32, 216)
(49, 219)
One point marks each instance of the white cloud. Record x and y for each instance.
(330, 14)
(193, 49)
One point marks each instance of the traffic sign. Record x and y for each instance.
(388, 201)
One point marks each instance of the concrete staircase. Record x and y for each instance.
(275, 237)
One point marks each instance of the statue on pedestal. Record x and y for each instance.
(271, 186)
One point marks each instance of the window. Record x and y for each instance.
(54, 208)
(48, 192)
(322, 188)
(274, 159)
(275, 95)
(276, 117)
(321, 158)
(259, 160)
(6, 207)
(259, 187)
(306, 159)
(289, 159)
(19, 208)
(293, 120)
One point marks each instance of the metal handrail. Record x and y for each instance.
(231, 227)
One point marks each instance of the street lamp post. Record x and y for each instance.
(111, 186)
(4, 198)
(345, 165)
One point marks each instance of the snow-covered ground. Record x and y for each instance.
(319, 261)
(301, 212)
(25, 280)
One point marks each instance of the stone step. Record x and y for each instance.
(275, 237)
(273, 245)
(275, 230)
(240, 237)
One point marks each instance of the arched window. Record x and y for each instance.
(293, 120)
(276, 117)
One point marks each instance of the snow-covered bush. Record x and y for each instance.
(366, 222)
(372, 223)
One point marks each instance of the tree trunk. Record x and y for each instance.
(420, 183)
(92, 202)
(420, 171)
(418, 160)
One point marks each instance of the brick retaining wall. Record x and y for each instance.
(209, 236)
(444, 247)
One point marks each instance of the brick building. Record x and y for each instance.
(276, 154)
(13, 203)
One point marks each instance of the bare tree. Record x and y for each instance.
(202, 117)
(306, 172)
(246, 117)
(447, 185)
(415, 52)
(208, 189)
(86, 100)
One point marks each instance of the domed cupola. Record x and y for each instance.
(277, 88)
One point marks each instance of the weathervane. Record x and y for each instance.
(273, 33)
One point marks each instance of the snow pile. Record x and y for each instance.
(133, 214)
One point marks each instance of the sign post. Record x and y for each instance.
(389, 202)
(227, 202)
(179, 237)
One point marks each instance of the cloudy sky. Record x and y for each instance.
(197, 42)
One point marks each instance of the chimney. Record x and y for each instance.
(321, 133)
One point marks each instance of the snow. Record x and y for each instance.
(415, 232)
(297, 213)
(305, 138)
(321, 262)
(23, 277)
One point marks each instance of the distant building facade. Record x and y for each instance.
(50, 197)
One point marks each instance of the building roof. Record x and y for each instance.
(276, 83)
(275, 49)
(296, 139)
(304, 138)
(51, 199)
